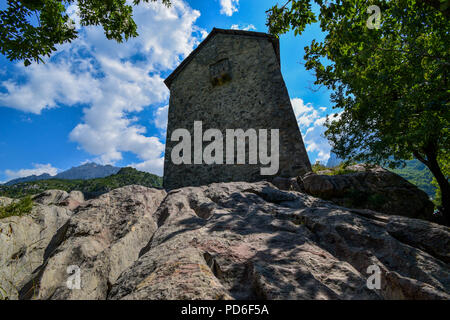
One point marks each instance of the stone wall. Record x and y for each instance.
(252, 94)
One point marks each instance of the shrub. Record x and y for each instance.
(319, 167)
(333, 171)
(20, 208)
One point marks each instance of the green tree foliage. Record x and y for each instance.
(31, 29)
(391, 82)
(442, 5)
(91, 188)
(20, 208)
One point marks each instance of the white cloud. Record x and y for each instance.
(47, 86)
(315, 140)
(311, 121)
(154, 166)
(228, 7)
(161, 117)
(305, 114)
(204, 34)
(112, 81)
(247, 27)
(37, 170)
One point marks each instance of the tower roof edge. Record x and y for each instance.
(275, 42)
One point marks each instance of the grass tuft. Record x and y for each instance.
(17, 209)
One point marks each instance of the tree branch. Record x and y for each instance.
(420, 158)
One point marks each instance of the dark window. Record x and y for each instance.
(220, 72)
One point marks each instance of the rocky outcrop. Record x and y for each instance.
(102, 239)
(70, 200)
(247, 241)
(239, 241)
(288, 184)
(4, 201)
(372, 188)
(24, 241)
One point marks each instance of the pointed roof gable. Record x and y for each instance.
(275, 42)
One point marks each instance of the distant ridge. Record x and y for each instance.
(88, 171)
(34, 177)
(91, 188)
(84, 172)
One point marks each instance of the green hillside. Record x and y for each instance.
(417, 173)
(91, 188)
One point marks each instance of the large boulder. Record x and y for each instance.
(23, 243)
(253, 241)
(101, 240)
(372, 188)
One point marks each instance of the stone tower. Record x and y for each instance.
(232, 80)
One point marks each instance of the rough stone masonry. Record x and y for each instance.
(232, 80)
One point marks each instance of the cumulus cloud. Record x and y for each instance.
(114, 82)
(48, 86)
(311, 121)
(161, 115)
(248, 27)
(315, 140)
(228, 7)
(155, 166)
(37, 170)
(305, 114)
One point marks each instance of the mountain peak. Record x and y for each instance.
(90, 170)
(44, 176)
(89, 165)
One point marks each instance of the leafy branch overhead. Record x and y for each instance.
(31, 29)
(389, 84)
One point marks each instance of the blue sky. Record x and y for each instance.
(96, 100)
